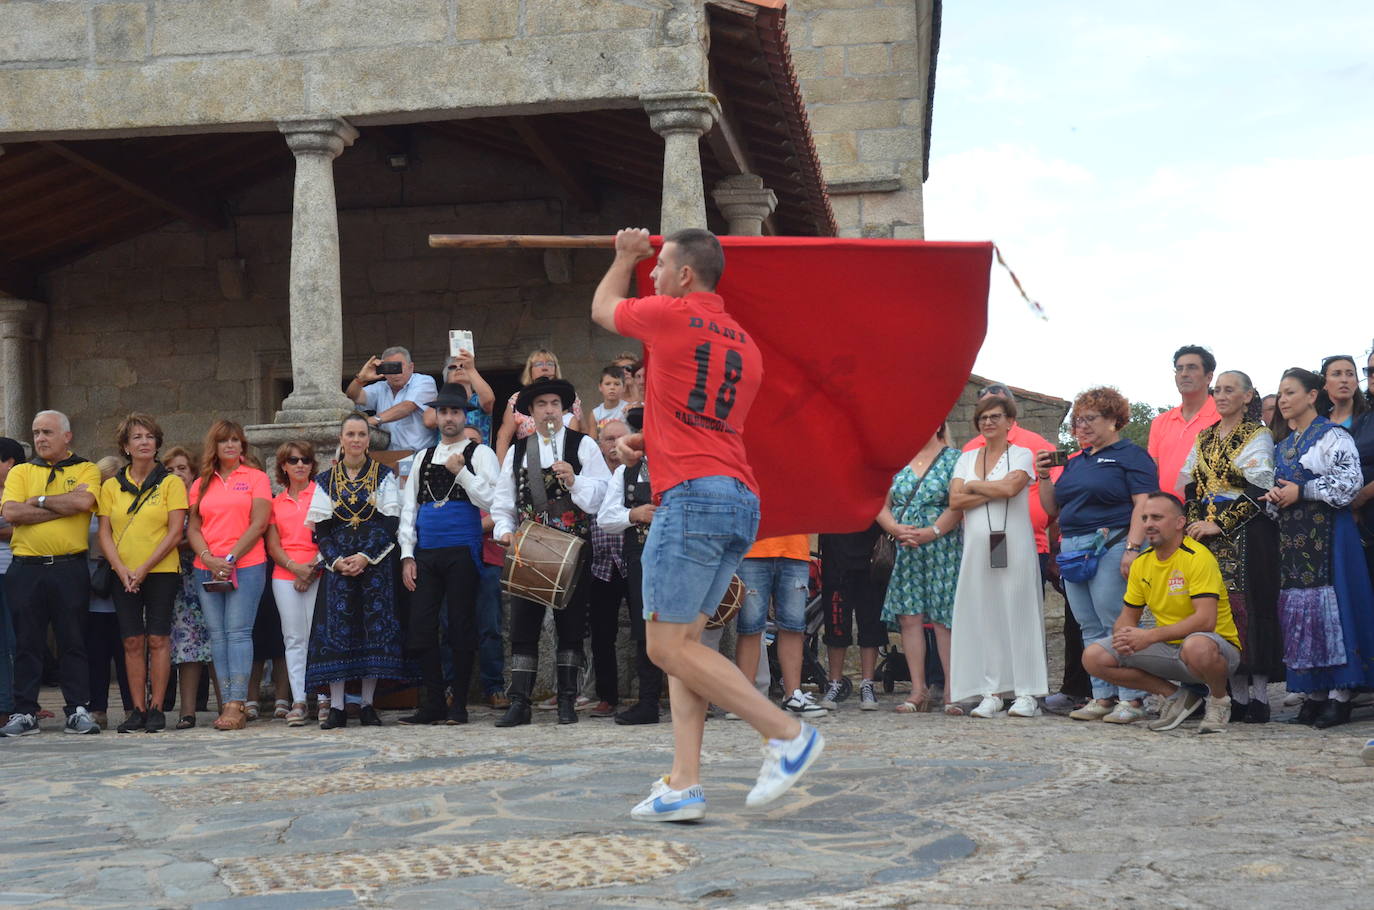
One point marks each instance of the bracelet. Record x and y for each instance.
(205, 552)
(1132, 548)
(935, 529)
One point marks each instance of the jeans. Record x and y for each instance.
(229, 619)
(1097, 603)
(700, 533)
(6, 655)
(491, 657)
(297, 609)
(775, 580)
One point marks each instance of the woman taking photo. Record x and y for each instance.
(1340, 400)
(142, 517)
(1098, 499)
(356, 633)
(231, 504)
(296, 575)
(999, 633)
(514, 425)
(1226, 475)
(1326, 605)
(929, 542)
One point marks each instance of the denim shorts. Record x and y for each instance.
(778, 580)
(700, 533)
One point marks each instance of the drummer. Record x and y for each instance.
(441, 553)
(628, 508)
(555, 477)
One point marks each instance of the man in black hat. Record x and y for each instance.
(555, 477)
(441, 553)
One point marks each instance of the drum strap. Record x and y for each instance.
(539, 497)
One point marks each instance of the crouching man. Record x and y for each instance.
(1195, 638)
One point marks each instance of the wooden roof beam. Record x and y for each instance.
(178, 197)
(558, 159)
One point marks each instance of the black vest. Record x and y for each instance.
(637, 493)
(560, 502)
(436, 481)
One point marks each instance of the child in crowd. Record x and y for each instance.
(612, 405)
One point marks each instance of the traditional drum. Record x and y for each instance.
(542, 564)
(729, 604)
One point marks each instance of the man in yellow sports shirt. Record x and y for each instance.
(1195, 639)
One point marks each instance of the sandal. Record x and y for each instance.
(954, 709)
(233, 717)
(252, 709)
(914, 706)
(187, 722)
(296, 716)
(282, 708)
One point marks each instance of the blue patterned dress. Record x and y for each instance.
(924, 578)
(356, 632)
(1326, 604)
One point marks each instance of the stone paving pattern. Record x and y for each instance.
(902, 810)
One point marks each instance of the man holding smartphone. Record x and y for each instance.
(389, 387)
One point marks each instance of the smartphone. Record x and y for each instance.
(389, 368)
(997, 549)
(1059, 458)
(459, 340)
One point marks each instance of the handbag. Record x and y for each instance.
(1080, 566)
(884, 556)
(102, 578)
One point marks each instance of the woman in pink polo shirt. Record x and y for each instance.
(296, 578)
(231, 504)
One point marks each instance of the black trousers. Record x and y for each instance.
(38, 595)
(846, 593)
(634, 589)
(105, 646)
(603, 618)
(570, 623)
(445, 578)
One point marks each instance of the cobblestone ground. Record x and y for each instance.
(901, 811)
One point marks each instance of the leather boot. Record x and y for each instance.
(569, 665)
(1333, 714)
(522, 670)
(431, 710)
(650, 676)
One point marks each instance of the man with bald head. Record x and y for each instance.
(49, 500)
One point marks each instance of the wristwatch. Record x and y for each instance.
(42, 502)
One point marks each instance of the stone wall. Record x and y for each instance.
(150, 324)
(864, 69)
(87, 66)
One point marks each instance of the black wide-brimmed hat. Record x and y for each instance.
(545, 385)
(452, 395)
(634, 418)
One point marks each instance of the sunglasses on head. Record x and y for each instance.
(299, 459)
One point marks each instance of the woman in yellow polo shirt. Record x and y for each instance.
(142, 513)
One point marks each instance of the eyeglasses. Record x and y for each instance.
(544, 363)
(990, 418)
(1082, 420)
(1367, 372)
(451, 367)
(299, 459)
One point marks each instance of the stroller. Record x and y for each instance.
(892, 666)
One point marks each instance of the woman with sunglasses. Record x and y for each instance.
(481, 399)
(296, 575)
(1098, 499)
(1340, 400)
(1326, 605)
(541, 364)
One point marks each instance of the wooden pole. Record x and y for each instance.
(522, 241)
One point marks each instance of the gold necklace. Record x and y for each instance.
(344, 505)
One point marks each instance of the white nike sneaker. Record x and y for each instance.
(784, 762)
(664, 804)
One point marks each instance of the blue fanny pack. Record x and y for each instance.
(1080, 566)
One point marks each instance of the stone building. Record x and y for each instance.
(221, 207)
(1034, 410)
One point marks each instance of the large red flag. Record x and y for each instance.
(866, 346)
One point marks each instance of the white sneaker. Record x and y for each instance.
(664, 804)
(990, 706)
(1024, 706)
(1180, 707)
(803, 705)
(81, 722)
(833, 693)
(868, 699)
(1124, 713)
(784, 762)
(1367, 753)
(20, 725)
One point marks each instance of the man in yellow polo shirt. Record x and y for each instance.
(1194, 639)
(49, 501)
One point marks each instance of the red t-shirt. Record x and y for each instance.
(703, 372)
(225, 511)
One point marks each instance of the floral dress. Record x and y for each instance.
(924, 578)
(190, 638)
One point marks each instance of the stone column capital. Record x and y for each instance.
(743, 197)
(318, 137)
(18, 318)
(681, 112)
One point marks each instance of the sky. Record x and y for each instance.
(1160, 174)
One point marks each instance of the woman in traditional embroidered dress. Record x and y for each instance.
(1230, 468)
(930, 538)
(1340, 400)
(356, 633)
(1326, 607)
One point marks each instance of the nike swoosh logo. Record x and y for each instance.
(661, 806)
(791, 767)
